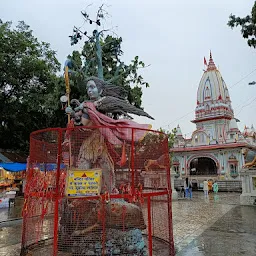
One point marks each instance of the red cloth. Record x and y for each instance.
(116, 131)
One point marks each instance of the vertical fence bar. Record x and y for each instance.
(56, 210)
(132, 160)
(169, 200)
(24, 210)
(24, 216)
(103, 227)
(150, 245)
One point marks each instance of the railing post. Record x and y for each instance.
(56, 210)
(132, 160)
(150, 243)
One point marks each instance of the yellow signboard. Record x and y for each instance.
(83, 182)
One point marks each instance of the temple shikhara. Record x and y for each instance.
(217, 149)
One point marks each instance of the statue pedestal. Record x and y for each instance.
(248, 196)
(174, 192)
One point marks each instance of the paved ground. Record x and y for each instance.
(12, 213)
(233, 234)
(192, 217)
(210, 227)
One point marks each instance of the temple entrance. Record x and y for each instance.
(203, 166)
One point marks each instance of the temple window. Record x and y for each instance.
(233, 166)
(207, 93)
(176, 169)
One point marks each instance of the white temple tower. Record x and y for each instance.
(215, 149)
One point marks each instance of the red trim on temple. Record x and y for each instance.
(211, 118)
(208, 147)
(211, 64)
(232, 161)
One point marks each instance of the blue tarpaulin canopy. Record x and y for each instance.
(48, 166)
(14, 167)
(18, 167)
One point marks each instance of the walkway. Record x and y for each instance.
(209, 227)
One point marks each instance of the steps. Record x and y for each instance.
(224, 185)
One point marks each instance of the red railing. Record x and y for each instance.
(130, 215)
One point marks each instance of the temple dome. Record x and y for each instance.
(212, 86)
(212, 95)
(233, 125)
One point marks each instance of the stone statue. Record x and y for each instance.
(105, 101)
(106, 104)
(102, 113)
(251, 164)
(249, 157)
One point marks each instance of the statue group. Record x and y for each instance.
(100, 138)
(99, 119)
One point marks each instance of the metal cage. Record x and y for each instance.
(129, 214)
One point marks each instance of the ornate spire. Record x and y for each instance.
(178, 133)
(211, 64)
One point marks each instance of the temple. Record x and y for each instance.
(217, 149)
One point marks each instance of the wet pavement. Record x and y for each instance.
(14, 212)
(10, 237)
(214, 226)
(10, 228)
(233, 234)
(192, 217)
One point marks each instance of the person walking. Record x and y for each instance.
(190, 189)
(215, 187)
(209, 186)
(186, 188)
(206, 188)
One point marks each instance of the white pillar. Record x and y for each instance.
(174, 192)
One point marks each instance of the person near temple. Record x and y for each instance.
(206, 188)
(215, 187)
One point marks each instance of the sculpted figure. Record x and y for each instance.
(105, 105)
(249, 157)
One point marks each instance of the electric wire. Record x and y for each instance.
(247, 75)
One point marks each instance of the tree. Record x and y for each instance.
(171, 136)
(101, 55)
(247, 24)
(28, 82)
(146, 149)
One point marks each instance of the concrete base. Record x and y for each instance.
(248, 199)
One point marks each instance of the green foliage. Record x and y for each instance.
(28, 85)
(247, 24)
(104, 52)
(152, 139)
(171, 136)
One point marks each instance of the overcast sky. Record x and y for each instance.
(173, 36)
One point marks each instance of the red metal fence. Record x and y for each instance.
(131, 215)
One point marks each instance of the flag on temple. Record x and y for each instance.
(205, 62)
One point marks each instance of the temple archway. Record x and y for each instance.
(203, 166)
